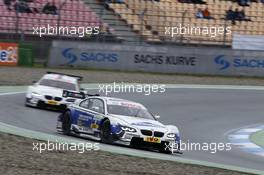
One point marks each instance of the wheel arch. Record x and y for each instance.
(102, 121)
(70, 111)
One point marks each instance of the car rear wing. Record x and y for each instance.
(78, 95)
(71, 94)
(79, 78)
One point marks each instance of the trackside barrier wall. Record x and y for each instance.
(169, 59)
(25, 53)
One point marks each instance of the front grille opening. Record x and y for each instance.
(146, 132)
(149, 133)
(48, 97)
(158, 134)
(57, 98)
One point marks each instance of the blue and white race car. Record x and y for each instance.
(114, 120)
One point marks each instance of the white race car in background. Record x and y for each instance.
(114, 120)
(47, 92)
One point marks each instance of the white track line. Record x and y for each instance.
(11, 93)
(227, 87)
(185, 86)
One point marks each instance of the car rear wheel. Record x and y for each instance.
(66, 123)
(105, 133)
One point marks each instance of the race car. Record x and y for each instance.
(118, 121)
(47, 92)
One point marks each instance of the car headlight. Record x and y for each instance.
(171, 135)
(128, 129)
(36, 94)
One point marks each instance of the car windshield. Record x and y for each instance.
(129, 111)
(58, 84)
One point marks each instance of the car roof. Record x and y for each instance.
(59, 77)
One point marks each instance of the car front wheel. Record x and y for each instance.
(105, 133)
(66, 123)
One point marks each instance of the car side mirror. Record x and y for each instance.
(34, 82)
(156, 117)
(82, 90)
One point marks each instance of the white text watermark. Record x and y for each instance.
(79, 31)
(58, 146)
(146, 89)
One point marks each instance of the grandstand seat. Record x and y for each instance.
(150, 24)
(170, 13)
(74, 13)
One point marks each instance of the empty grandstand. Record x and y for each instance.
(132, 21)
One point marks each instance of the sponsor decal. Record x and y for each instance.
(72, 58)
(94, 125)
(8, 54)
(152, 139)
(130, 105)
(168, 60)
(91, 56)
(225, 63)
(222, 62)
(84, 117)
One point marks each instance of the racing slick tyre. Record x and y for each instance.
(105, 132)
(66, 123)
(165, 151)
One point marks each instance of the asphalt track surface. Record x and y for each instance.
(202, 115)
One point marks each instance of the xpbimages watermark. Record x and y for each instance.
(146, 89)
(212, 147)
(57, 146)
(79, 31)
(188, 29)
